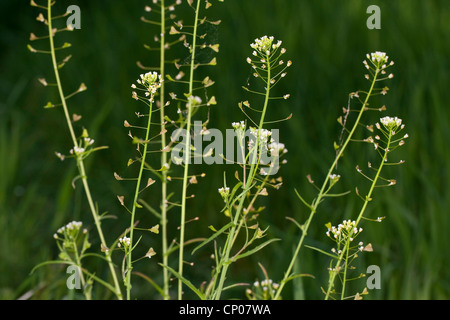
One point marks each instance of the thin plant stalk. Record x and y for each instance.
(187, 156)
(135, 200)
(232, 235)
(323, 189)
(80, 163)
(80, 272)
(163, 155)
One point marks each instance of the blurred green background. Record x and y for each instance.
(327, 41)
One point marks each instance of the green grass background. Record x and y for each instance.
(327, 41)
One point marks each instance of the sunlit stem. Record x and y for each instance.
(322, 191)
(253, 167)
(135, 200)
(187, 155)
(80, 163)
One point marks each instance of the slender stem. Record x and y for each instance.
(233, 234)
(187, 156)
(347, 250)
(361, 213)
(163, 154)
(135, 200)
(80, 162)
(80, 272)
(322, 192)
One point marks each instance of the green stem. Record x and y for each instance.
(80, 271)
(233, 234)
(135, 200)
(187, 157)
(361, 213)
(163, 155)
(80, 163)
(322, 192)
(347, 250)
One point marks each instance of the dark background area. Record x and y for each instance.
(327, 40)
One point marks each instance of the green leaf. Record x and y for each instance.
(149, 208)
(298, 276)
(303, 200)
(50, 262)
(185, 281)
(322, 251)
(295, 222)
(153, 283)
(336, 194)
(256, 249)
(215, 235)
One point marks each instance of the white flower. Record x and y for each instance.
(277, 148)
(379, 57)
(71, 226)
(77, 150)
(151, 81)
(224, 192)
(238, 125)
(334, 177)
(390, 123)
(262, 44)
(124, 241)
(193, 101)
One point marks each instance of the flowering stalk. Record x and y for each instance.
(378, 65)
(391, 126)
(190, 106)
(268, 53)
(79, 152)
(162, 102)
(151, 82)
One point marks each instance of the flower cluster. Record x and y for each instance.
(264, 45)
(224, 192)
(71, 227)
(77, 150)
(344, 230)
(391, 124)
(262, 134)
(124, 242)
(344, 235)
(69, 235)
(151, 81)
(389, 127)
(267, 55)
(194, 101)
(378, 61)
(263, 290)
(334, 177)
(261, 137)
(277, 148)
(238, 125)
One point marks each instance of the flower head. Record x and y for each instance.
(379, 57)
(391, 123)
(69, 231)
(151, 81)
(224, 192)
(263, 44)
(124, 241)
(379, 60)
